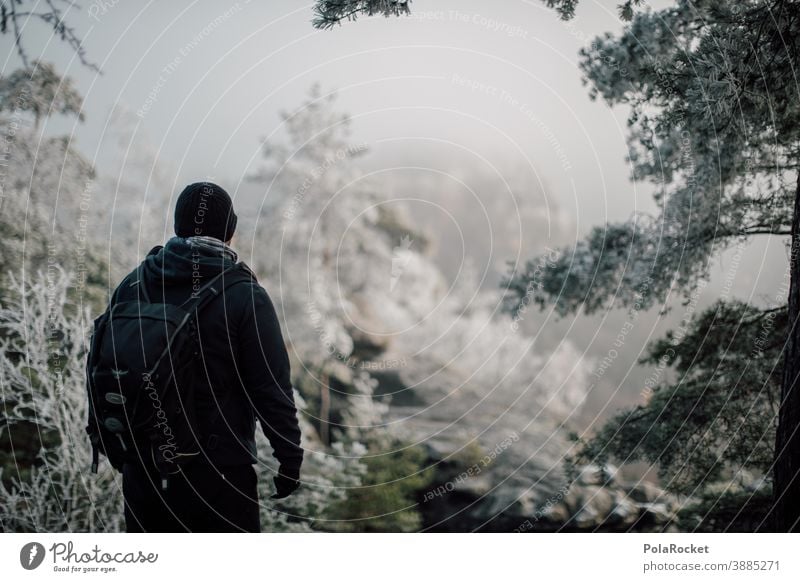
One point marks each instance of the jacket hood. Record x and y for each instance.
(180, 261)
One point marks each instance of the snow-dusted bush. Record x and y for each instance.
(327, 475)
(46, 484)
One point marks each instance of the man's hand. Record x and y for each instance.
(285, 485)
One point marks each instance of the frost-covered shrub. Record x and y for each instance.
(327, 475)
(46, 484)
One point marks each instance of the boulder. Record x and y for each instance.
(655, 515)
(644, 492)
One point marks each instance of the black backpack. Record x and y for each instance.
(140, 377)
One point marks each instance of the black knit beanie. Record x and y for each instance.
(205, 209)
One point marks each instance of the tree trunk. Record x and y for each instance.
(786, 483)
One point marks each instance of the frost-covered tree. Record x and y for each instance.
(714, 123)
(323, 242)
(711, 430)
(311, 195)
(48, 197)
(50, 282)
(41, 91)
(323, 227)
(45, 483)
(464, 333)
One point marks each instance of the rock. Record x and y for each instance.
(555, 513)
(645, 492)
(527, 503)
(475, 487)
(624, 513)
(367, 346)
(596, 475)
(655, 514)
(590, 475)
(588, 506)
(587, 517)
(601, 499)
(573, 500)
(611, 472)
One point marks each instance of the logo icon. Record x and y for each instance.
(31, 555)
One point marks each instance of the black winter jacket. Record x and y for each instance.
(245, 372)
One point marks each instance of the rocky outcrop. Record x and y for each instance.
(467, 384)
(513, 479)
(585, 505)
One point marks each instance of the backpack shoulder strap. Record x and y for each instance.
(239, 273)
